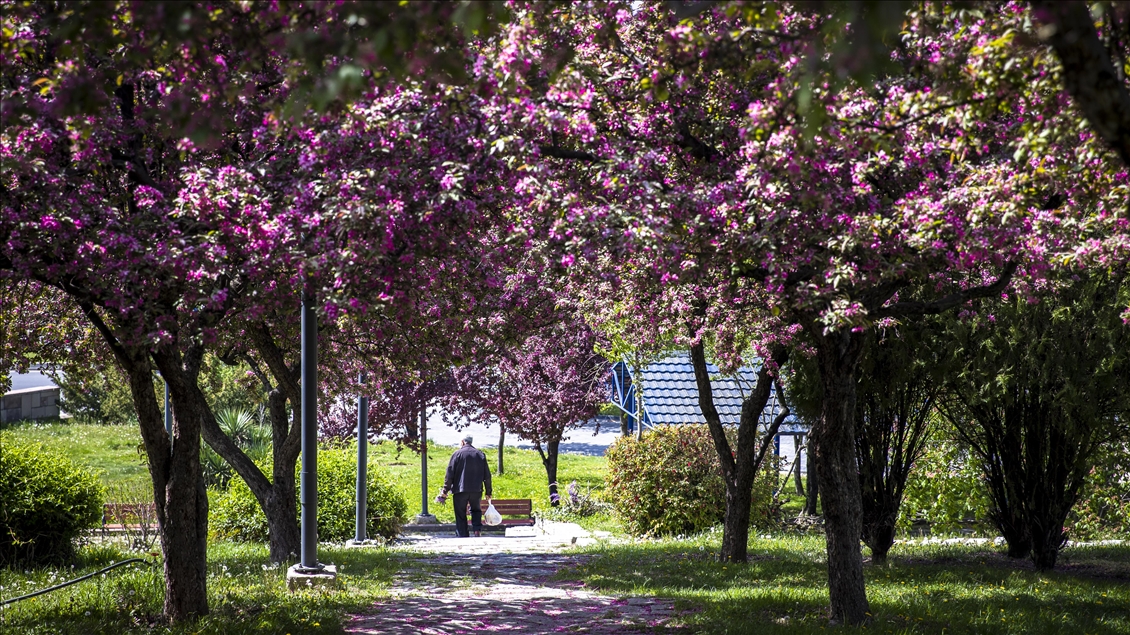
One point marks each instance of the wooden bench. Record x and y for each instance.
(120, 516)
(523, 508)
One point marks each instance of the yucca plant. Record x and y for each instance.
(241, 426)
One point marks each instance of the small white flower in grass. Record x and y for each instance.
(87, 614)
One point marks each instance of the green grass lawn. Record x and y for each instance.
(114, 452)
(923, 589)
(246, 595)
(524, 475)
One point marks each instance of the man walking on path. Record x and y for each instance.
(467, 475)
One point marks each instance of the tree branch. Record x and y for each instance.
(767, 440)
(710, 412)
(914, 307)
(558, 152)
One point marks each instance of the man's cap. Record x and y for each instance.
(468, 439)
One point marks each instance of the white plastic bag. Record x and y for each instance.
(491, 516)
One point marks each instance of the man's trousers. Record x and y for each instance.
(461, 500)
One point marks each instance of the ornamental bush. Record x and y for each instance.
(236, 515)
(1103, 510)
(46, 500)
(667, 483)
(945, 489)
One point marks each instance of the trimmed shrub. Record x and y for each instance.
(236, 515)
(667, 483)
(670, 483)
(46, 500)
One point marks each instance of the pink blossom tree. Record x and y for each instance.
(164, 179)
(540, 389)
(723, 154)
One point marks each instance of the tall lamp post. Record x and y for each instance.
(424, 518)
(360, 534)
(309, 572)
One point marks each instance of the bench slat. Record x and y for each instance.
(522, 507)
(510, 507)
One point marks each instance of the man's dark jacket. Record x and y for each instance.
(467, 471)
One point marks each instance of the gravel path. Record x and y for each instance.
(505, 585)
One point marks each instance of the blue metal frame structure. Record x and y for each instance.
(624, 395)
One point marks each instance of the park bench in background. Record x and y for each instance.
(137, 522)
(523, 508)
(122, 516)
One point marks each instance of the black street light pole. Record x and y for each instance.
(361, 533)
(309, 476)
(424, 518)
(424, 458)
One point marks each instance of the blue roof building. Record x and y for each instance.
(671, 394)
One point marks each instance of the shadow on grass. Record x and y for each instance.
(246, 594)
(920, 590)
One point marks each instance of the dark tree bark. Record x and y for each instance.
(1034, 461)
(739, 465)
(549, 461)
(798, 485)
(501, 443)
(812, 497)
(892, 425)
(179, 496)
(1041, 392)
(277, 496)
(412, 430)
(180, 499)
(838, 353)
(1091, 77)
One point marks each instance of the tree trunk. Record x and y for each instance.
(1089, 74)
(735, 523)
(549, 460)
(501, 443)
(880, 537)
(892, 422)
(739, 466)
(178, 488)
(1048, 538)
(276, 497)
(798, 486)
(179, 496)
(811, 499)
(412, 429)
(623, 424)
(838, 354)
(281, 505)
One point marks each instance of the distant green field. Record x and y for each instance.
(114, 453)
(524, 475)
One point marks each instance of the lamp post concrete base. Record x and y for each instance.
(299, 578)
(369, 542)
(424, 519)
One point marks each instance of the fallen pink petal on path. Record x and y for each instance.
(513, 592)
